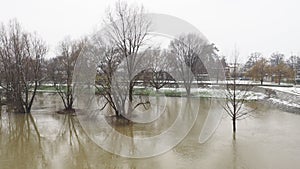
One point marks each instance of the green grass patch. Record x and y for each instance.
(46, 88)
(173, 93)
(142, 91)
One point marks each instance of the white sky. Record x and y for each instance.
(264, 26)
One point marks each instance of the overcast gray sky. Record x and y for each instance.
(264, 26)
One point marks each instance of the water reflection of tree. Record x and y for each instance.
(234, 154)
(21, 142)
(72, 133)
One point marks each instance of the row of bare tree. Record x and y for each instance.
(121, 52)
(123, 44)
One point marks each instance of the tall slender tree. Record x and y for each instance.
(69, 51)
(235, 99)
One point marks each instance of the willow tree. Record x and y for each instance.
(21, 56)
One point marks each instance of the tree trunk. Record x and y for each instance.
(131, 91)
(233, 128)
(188, 91)
(18, 108)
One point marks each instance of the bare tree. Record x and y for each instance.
(54, 70)
(127, 30)
(252, 59)
(2, 73)
(282, 70)
(106, 67)
(294, 63)
(259, 70)
(69, 51)
(190, 51)
(279, 68)
(159, 61)
(276, 58)
(21, 55)
(235, 99)
(121, 48)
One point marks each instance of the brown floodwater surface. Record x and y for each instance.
(44, 139)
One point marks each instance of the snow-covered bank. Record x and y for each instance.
(285, 98)
(295, 90)
(212, 92)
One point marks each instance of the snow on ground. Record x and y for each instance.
(217, 93)
(288, 101)
(285, 96)
(284, 102)
(295, 90)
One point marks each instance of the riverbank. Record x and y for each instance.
(285, 97)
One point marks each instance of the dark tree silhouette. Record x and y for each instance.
(69, 51)
(235, 99)
(21, 55)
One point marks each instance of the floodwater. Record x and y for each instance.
(44, 139)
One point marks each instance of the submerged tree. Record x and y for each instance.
(235, 99)
(21, 56)
(106, 67)
(69, 51)
(121, 48)
(127, 30)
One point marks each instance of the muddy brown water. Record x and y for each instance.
(44, 139)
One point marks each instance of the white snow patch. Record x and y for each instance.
(283, 102)
(218, 93)
(291, 90)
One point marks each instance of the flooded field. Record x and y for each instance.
(45, 139)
